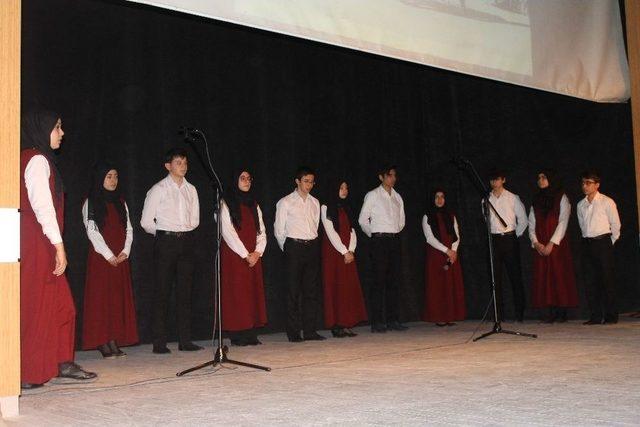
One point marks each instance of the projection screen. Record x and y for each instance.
(571, 47)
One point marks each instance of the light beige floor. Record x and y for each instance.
(572, 375)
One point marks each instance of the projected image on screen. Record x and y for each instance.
(573, 47)
(479, 10)
(485, 33)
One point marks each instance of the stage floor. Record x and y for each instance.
(571, 375)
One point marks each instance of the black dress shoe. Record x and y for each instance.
(611, 319)
(561, 315)
(451, 323)
(378, 328)
(252, 338)
(115, 350)
(240, 342)
(30, 386)
(161, 349)
(592, 322)
(294, 337)
(313, 336)
(72, 371)
(548, 319)
(189, 346)
(338, 333)
(119, 353)
(105, 351)
(254, 341)
(397, 326)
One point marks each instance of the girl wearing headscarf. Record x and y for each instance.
(47, 311)
(109, 316)
(444, 287)
(343, 301)
(554, 286)
(244, 241)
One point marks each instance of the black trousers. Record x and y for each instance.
(384, 295)
(174, 263)
(506, 255)
(302, 263)
(599, 278)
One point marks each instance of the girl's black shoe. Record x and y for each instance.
(106, 352)
(115, 350)
(338, 333)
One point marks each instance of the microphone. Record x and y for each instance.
(459, 161)
(188, 133)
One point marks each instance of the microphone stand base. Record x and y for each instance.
(219, 359)
(497, 329)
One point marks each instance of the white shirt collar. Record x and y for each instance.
(505, 192)
(596, 197)
(296, 194)
(383, 191)
(170, 181)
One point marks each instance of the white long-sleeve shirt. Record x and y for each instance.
(297, 218)
(437, 244)
(561, 228)
(600, 216)
(511, 209)
(170, 207)
(36, 180)
(230, 235)
(96, 239)
(333, 235)
(382, 212)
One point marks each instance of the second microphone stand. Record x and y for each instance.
(220, 350)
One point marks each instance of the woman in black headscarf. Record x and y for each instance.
(343, 301)
(554, 286)
(245, 239)
(47, 311)
(444, 288)
(109, 316)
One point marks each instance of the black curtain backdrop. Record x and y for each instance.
(124, 77)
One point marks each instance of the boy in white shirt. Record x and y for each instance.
(296, 230)
(506, 249)
(171, 212)
(600, 227)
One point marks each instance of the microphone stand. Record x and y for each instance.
(487, 207)
(220, 350)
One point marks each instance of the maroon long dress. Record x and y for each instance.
(47, 312)
(242, 287)
(554, 283)
(109, 310)
(343, 300)
(444, 289)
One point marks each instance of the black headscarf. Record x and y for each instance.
(447, 216)
(100, 196)
(545, 198)
(234, 197)
(334, 202)
(35, 133)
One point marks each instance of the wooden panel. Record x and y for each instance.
(632, 9)
(9, 328)
(10, 191)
